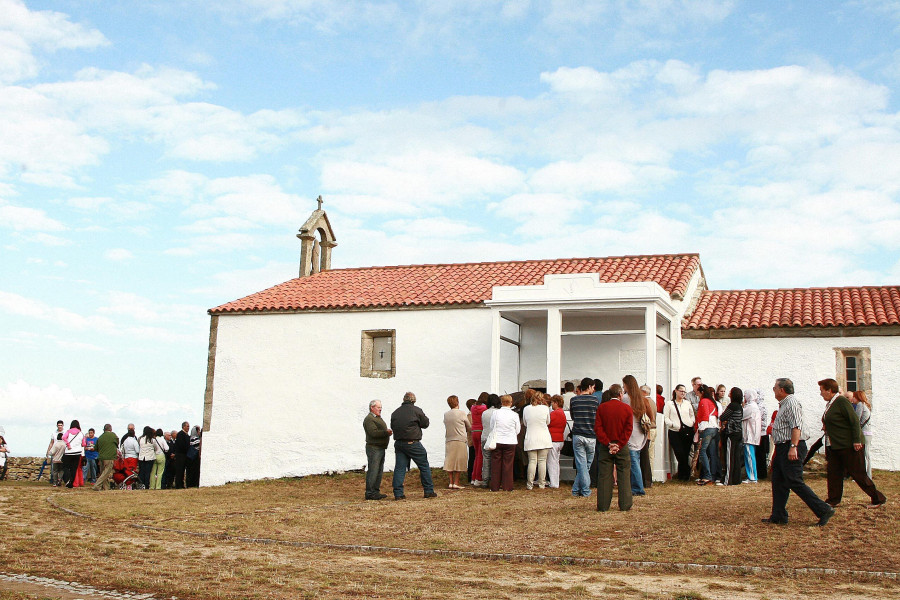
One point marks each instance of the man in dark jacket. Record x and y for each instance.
(182, 444)
(407, 423)
(377, 436)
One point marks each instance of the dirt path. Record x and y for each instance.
(123, 563)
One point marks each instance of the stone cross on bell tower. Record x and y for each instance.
(317, 241)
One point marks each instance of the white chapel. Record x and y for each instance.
(292, 368)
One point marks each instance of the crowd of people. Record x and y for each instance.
(154, 459)
(716, 436)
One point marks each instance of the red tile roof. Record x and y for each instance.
(812, 307)
(454, 284)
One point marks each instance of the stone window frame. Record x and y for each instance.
(367, 349)
(863, 356)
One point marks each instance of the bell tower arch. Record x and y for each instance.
(317, 241)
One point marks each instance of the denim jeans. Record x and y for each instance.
(89, 471)
(637, 478)
(707, 436)
(374, 471)
(406, 452)
(583, 449)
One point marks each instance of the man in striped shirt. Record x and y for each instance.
(583, 409)
(787, 463)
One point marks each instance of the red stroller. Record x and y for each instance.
(125, 474)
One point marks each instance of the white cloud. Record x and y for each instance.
(422, 179)
(119, 314)
(21, 30)
(118, 255)
(22, 218)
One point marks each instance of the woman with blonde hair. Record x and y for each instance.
(538, 442)
(456, 456)
(863, 408)
(639, 431)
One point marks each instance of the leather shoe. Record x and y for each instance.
(823, 520)
(399, 497)
(770, 521)
(431, 495)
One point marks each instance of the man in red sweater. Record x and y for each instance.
(613, 428)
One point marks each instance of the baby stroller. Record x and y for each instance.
(125, 474)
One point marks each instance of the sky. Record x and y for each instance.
(157, 159)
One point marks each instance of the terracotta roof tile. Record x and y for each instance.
(454, 284)
(810, 307)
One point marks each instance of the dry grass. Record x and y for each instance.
(674, 523)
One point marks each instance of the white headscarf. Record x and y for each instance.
(763, 415)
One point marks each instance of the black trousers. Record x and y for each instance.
(180, 463)
(70, 465)
(762, 458)
(848, 460)
(168, 481)
(787, 477)
(681, 446)
(192, 472)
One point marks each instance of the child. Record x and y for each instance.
(56, 456)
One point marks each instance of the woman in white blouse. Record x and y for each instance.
(505, 425)
(679, 418)
(537, 440)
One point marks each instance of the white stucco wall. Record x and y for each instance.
(758, 362)
(288, 398)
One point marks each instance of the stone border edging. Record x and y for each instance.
(522, 558)
(73, 586)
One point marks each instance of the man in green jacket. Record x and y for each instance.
(107, 447)
(844, 446)
(377, 436)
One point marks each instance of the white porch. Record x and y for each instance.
(574, 326)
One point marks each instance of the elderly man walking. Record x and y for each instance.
(377, 436)
(407, 423)
(787, 464)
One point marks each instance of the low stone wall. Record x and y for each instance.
(26, 468)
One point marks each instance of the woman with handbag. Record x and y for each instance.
(74, 451)
(640, 428)
(678, 416)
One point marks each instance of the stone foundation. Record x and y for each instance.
(26, 468)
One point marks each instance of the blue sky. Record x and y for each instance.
(157, 159)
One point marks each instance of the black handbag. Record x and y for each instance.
(684, 430)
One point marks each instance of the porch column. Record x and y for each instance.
(495, 351)
(650, 356)
(554, 350)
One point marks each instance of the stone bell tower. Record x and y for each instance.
(317, 241)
